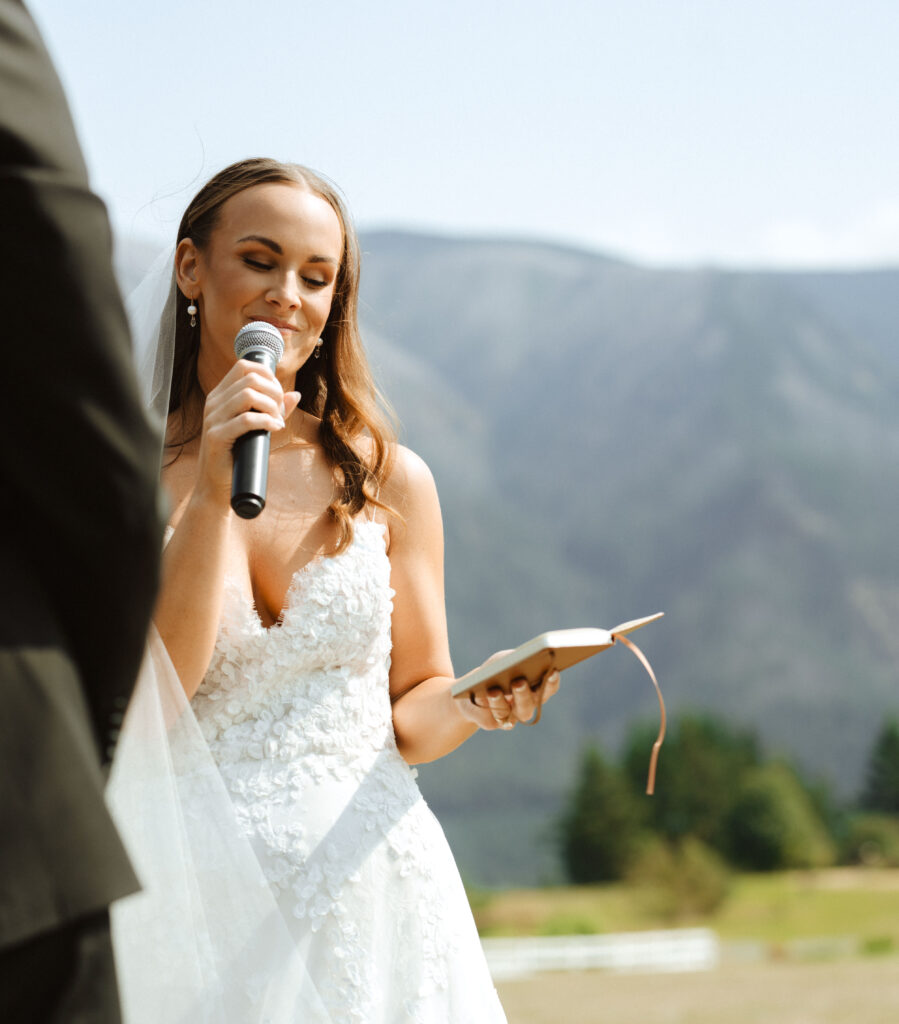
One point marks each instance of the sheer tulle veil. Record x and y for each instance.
(151, 316)
(204, 941)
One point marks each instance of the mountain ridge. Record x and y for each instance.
(610, 440)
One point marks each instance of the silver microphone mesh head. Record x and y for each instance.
(256, 335)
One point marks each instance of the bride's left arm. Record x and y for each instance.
(427, 720)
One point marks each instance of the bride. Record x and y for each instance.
(299, 663)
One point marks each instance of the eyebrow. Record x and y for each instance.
(270, 243)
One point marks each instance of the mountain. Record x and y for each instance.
(720, 446)
(611, 440)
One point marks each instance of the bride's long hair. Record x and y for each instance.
(338, 387)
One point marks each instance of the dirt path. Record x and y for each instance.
(846, 992)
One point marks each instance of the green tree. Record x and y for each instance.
(834, 814)
(881, 792)
(600, 827)
(773, 823)
(873, 840)
(700, 768)
(680, 879)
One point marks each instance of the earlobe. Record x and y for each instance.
(187, 267)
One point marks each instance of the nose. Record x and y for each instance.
(285, 292)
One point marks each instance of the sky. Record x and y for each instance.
(668, 132)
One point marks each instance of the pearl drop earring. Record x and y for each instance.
(318, 347)
(192, 311)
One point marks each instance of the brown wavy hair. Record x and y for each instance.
(338, 387)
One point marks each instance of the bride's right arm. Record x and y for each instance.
(189, 606)
(193, 569)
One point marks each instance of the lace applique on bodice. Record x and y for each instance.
(298, 718)
(314, 684)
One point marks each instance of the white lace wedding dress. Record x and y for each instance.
(372, 920)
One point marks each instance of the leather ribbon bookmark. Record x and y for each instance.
(654, 756)
(644, 661)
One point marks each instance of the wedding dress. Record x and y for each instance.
(298, 717)
(357, 912)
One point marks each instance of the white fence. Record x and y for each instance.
(682, 949)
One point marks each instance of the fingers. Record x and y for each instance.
(551, 683)
(500, 705)
(246, 409)
(499, 710)
(497, 655)
(248, 387)
(291, 401)
(249, 397)
(527, 699)
(488, 710)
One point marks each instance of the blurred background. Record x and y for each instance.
(632, 284)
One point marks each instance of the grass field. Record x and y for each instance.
(823, 948)
(772, 908)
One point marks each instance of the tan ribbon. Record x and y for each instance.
(644, 661)
(654, 756)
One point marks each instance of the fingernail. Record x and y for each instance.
(506, 725)
(281, 423)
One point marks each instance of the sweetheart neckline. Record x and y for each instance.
(249, 601)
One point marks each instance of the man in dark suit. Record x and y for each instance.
(79, 540)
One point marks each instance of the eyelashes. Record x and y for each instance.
(311, 282)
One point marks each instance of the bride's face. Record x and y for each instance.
(274, 255)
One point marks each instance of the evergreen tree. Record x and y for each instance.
(599, 829)
(881, 792)
(774, 824)
(700, 769)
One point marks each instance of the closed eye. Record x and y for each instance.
(311, 282)
(256, 264)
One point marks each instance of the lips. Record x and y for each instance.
(281, 325)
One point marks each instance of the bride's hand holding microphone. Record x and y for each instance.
(249, 397)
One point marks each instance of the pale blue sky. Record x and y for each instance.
(680, 132)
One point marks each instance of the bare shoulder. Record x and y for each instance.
(410, 481)
(408, 477)
(409, 492)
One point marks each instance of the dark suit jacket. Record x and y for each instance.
(79, 522)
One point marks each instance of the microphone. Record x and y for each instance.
(260, 343)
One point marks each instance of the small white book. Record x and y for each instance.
(559, 648)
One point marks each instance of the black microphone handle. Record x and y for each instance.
(249, 480)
